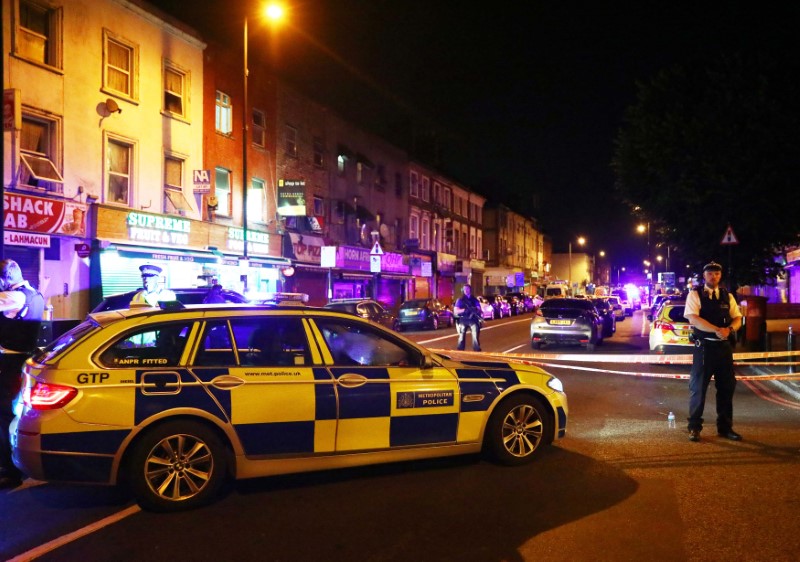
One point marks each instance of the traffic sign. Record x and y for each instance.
(374, 263)
(729, 237)
(377, 250)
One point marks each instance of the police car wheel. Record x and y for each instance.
(435, 323)
(518, 428)
(177, 466)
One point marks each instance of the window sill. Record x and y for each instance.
(176, 116)
(40, 64)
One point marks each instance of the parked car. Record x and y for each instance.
(365, 308)
(520, 302)
(174, 403)
(669, 329)
(186, 295)
(424, 313)
(627, 306)
(487, 310)
(567, 321)
(607, 314)
(501, 306)
(616, 305)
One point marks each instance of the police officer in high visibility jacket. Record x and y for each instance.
(153, 292)
(715, 317)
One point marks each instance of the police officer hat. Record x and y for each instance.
(149, 269)
(712, 266)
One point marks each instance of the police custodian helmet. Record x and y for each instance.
(712, 266)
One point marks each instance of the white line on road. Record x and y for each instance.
(43, 549)
(453, 335)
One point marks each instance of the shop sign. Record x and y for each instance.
(257, 240)
(307, 249)
(161, 229)
(83, 250)
(292, 198)
(26, 239)
(421, 266)
(356, 257)
(41, 215)
(202, 181)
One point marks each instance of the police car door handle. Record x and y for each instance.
(351, 380)
(226, 382)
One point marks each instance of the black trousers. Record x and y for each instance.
(712, 359)
(10, 382)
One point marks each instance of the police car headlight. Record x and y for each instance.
(555, 384)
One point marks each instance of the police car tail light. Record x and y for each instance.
(663, 326)
(45, 396)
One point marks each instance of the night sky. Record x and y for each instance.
(525, 98)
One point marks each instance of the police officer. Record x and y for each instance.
(714, 315)
(153, 292)
(467, 310)
(22, 307)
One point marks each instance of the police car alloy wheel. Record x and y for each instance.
(178, 465)
(518, 429)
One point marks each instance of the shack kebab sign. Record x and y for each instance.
(28, 220)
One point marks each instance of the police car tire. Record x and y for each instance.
(150, 446)
(435, 323)
(518, 429)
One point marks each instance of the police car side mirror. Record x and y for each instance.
(427, 362)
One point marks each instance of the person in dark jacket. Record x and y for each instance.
(467, 310)
(714, 315)
(214, 295)
(22, 308)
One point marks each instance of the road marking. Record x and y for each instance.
(43, 549)
(454, 335)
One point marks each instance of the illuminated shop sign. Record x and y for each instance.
(143, 227)
(257, 241)
(354, 257)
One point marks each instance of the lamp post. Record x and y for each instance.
(642, 228)
(274, 12)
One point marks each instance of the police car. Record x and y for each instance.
(172, 402)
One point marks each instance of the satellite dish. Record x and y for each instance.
(112, 106)
(384, 230)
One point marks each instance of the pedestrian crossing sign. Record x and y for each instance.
(729, 237)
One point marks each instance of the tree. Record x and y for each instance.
(716, 145)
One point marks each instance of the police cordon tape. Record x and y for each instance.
(535, 359)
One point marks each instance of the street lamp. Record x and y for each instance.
(642, 228)
(273, 12)
(581, 242)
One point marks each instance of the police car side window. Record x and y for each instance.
(353, 343)
(216, 347)
(271, 341)
(154, 346)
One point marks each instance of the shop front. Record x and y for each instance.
(308, 276)
(502, 280)
(421, 284)
(469, 272)
(190, 253)
(353, 276)
(445, 278)
(47, 238)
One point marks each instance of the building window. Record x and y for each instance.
(319, 206)
(176, 86)
(413, 184)
(223, 116)
(38, 147)
(38, 37)
(259, 128)
(423, 238)
(119, 171)
(256, 200)
(290, 144)
(359, 172)
(448, 199)
(340, 164)
(413, 227)
(398, 184)
(380, 175)
(121, 66)
(319, 152)
(175, 202)
(222, 190)
(426, 189)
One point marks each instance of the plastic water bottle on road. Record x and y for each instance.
(671, 420)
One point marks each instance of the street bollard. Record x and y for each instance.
(789, 347)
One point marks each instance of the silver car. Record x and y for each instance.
(567, 321)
